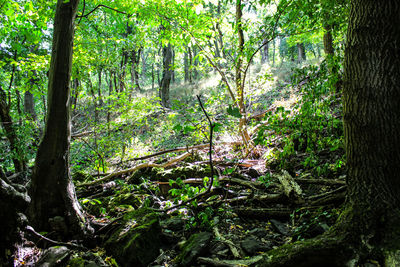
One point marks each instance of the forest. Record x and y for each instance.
(199, 133)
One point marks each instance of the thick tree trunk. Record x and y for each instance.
(371, 120)
(369, 227)
(54, 205)
(167, 74)
(29, 105)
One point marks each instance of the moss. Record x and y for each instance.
(130, 243)
(194, 247)
(77, 262)
(324, 250)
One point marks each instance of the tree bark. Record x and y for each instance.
(238, 76)
(54, 204)
(167, 74)
(265, 54)
(301, 52)
(371, 120)
(11, 134)
(328, 41)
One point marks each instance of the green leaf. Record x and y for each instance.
(234, 111)
(217, 127)
(188, 129)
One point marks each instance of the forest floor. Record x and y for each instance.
(155, 200)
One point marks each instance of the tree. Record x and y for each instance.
(54, 204)
(368, 228)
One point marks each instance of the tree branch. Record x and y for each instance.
(93, 10)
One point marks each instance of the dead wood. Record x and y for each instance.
(235, 249)
(320, 181)
(138, 167)
(249, 184)
(230, 263)
(290, 187)
(82, 134)
(178, 149)
(263, 213)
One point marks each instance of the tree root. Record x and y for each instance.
(325, 250)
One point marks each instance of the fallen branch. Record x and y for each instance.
(263, 213)
(320, 181)
(230, 263)
(178, 149)
(57, 243)
(138, 167)
(231, 245)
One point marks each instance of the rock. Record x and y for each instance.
(251, 245)
(125, 199)
(174, 224)
(280, 227)
(259, 232)
(136, 242)
(54, 256)
(87, 259)
(193, 248)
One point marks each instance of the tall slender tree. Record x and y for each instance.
(54, 204)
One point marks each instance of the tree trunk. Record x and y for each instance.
(167, 74)
(29, 105)
(368, 229)
(328, 41)
(265, 54)
(186, 66)
(301, 52)
(54, 205)
(190, 65)
(371, 120)
(11, 134)
(273, 52)
(238, 76)
(122, 73)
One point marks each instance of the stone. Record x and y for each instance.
(173, 224)
(251, 245)
(54, 256)
(194, 247)
(136, 242)
(280, 227)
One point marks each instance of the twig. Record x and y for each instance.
(70, 245)
(212, 125)
(180, 149)
(93, 10)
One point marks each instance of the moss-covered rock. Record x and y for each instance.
(193, 248)
(125, 199)
(159, 174)
(136, 242)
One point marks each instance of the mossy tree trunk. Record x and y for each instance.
(52, 191)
